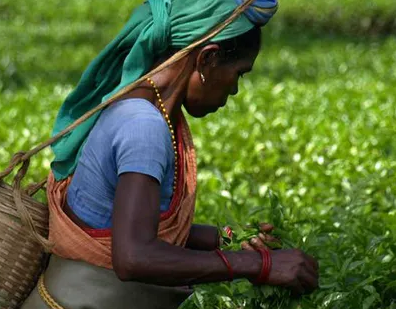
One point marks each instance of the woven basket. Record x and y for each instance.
(23, 232)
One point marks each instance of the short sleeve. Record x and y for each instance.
(142, 144)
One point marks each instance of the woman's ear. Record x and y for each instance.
(207, 57)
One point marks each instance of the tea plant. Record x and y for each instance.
(314, 122)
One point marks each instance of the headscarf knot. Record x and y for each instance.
(260, 11)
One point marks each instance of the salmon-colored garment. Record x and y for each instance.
(94, 246)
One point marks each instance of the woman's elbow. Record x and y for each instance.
(129, 267)
(122, 270)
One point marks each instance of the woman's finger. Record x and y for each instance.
(246, 246)
(296, 288)
(257, 243)
(313, 262)
(266, 227)
(308, 281)
(270, 241)
(267, 237)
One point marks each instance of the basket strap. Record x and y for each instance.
(32, 189)
(15, 160)
(26, 218)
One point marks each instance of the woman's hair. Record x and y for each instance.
(238, 47)
(230, 49)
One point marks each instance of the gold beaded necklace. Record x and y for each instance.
(168, 121)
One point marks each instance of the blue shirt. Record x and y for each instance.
(129, 136)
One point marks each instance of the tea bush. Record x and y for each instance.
(314, 122)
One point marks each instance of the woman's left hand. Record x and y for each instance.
(264, 239)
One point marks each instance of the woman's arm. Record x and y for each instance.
(139, 255)
(203, 237)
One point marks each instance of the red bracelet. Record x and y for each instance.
(224, 240)
(265, 267)
(227, 263)
(228, 231)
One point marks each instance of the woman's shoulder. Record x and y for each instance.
(136, 108)
(139, 138)
(134, 135)
(131, 113)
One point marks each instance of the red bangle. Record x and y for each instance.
(226, 239)
(265, 267)
(228, 231)
(227, 263)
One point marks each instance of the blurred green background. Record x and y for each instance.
(314, 122)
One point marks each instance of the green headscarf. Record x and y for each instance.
(153, 27)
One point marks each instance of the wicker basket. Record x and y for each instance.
(22, 254)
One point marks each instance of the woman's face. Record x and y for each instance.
(220, 79)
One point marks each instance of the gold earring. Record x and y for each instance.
(203, 78)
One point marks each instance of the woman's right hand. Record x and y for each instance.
(294, 269)
(291, 268)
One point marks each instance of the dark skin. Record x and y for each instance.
(138, 254)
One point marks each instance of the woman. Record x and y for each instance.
(122, 225)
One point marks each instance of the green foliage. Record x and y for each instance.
(314, 122)
(357, 266)
(348, 16)
(318, 128)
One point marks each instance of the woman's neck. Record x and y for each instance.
(172, 86)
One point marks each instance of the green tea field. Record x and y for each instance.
(308, 144)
